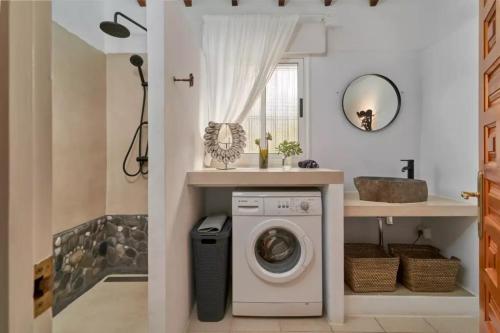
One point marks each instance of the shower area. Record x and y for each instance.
(99, 166)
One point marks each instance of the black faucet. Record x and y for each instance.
(409, 168)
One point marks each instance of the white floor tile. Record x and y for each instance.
(255, 324)
(109, 307)
(304, 325)
(221, 326)
(347, 332)
(256, 332)
(359, 324)
(454, 324)
(278, 331)
(405, 325)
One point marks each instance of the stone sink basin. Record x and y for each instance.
(391, 190)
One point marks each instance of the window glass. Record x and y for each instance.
(281, 110)
(282, 114)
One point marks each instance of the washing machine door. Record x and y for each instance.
(279, 251)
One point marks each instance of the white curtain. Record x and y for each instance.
(240, 53)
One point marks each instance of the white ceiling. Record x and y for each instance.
(393, 24)
(82, 18)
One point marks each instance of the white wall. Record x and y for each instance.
(335, 143)
(360, 40)
(449, 137)
(174, 207)
(29, 231)
(88, 94)
(69, 14)
(157, 187)
(393, 24)
(79, 108)
(387, 39)
(184, 153)
(124, 97)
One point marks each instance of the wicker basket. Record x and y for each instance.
(368, 268)
(424, 269)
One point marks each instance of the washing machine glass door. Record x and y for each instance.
(278, 251)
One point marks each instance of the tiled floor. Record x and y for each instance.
(117, 307)
(109, 307)
(320, 325)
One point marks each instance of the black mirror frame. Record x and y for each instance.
(398, 94)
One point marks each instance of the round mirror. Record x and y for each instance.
(371, 102)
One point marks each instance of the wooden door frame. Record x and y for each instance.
(481, 160)
(489, 60)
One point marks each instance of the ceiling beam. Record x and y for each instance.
(234, 2)
(328, 2)
(281, 3)
(373, 3)
(142, 3)
(188, 3)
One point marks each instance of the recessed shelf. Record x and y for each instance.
(435, 206)
(404, 302)
(403, 291)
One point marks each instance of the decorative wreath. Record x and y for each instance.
(229, 154)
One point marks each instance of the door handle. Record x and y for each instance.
(480, 201)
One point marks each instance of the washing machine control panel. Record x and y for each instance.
(292, 206)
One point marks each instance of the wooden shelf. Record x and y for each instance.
(404, 302)
(435, 206)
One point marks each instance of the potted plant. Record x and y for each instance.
(287, 149)
(264, 151)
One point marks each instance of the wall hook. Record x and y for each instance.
(190, 80)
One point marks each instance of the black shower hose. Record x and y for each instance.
(141, 159)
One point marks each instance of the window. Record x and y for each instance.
(278, 110)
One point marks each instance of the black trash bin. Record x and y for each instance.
(211, 271)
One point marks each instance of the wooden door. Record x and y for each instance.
(489, 163)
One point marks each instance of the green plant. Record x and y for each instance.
(289, 148)
(269, 137)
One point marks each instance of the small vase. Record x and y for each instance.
(286, 163)
(263, 157)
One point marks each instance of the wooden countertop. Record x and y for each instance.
(435, 206)
(272, 177)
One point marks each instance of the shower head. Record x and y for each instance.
(136, 60)
(115, 29)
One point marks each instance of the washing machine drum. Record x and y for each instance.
(279, 251)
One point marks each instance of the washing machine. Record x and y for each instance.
(277, 253)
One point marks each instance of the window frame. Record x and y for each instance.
(252, 159)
